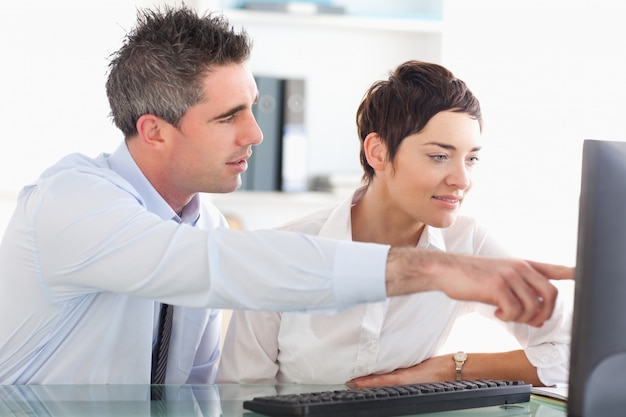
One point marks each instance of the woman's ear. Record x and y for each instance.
(375, 151)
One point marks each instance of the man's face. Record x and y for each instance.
(209, 150)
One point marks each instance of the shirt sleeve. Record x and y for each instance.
(547, 347)
(250, 349)
(269, 267)
(132, 251)
(207, 355)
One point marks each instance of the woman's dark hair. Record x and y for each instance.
(403, 104)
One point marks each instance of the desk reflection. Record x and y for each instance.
(193, 401)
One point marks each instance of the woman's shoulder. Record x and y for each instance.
(334, 216)
(310, 223)
(469, 235)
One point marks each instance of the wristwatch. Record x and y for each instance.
(459, 360)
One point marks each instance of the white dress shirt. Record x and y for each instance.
(380, 337)
(92, 245)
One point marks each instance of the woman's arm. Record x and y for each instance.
(250, 349)
(513, 365)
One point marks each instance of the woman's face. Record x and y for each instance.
(432, 171)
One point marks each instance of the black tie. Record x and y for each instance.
(159, 355)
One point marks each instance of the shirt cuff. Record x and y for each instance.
(556, 376)
(552, 362)
(360, 272)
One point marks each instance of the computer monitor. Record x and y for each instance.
(597, 381)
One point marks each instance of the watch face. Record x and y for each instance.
(460, 356)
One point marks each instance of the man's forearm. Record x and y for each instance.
(409, 270)
(520, 292)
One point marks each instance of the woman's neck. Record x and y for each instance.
(374, 220)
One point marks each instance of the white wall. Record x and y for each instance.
(54, 60)
(548, 74)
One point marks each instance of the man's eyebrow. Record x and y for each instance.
(451, 147)
(230, 112)
(235, 110)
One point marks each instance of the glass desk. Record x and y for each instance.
(196, 400)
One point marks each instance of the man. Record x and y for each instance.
(96, 246)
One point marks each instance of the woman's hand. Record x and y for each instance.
(439, 368)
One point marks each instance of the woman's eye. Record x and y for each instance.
(439, 158)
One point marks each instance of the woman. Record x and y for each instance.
(420, 134)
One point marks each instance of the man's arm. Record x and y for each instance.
(520, 289)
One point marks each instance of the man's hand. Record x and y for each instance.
(551, 271)
(520, 289)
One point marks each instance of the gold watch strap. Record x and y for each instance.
(459, 361)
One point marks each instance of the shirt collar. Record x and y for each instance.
(122, 162)
(339, 224)
(432, 238)
(191, 212)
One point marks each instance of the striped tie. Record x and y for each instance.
(159, 355)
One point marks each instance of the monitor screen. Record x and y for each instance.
(597, 381)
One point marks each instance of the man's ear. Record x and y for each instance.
(375, 151)
(151, 130)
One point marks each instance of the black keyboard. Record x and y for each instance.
(393, 400)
